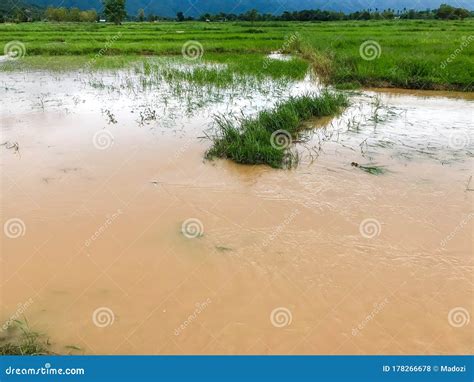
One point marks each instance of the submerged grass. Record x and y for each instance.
(256, 65)
(23, 341)
(267, 138)
(224, 71)
(373, 169)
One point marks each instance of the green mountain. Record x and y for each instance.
(198, 7)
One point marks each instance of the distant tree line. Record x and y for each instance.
(72, 14)
(114, 11)
(444, 12)
(21, 13)
(28, 14)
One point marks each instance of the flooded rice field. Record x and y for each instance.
(120, 238)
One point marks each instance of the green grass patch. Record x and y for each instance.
(21, 340)
(408, 57)
(267, 138)
(413, 53)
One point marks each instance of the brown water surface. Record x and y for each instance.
(322, 259)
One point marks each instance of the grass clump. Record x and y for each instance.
(267, 138)
(23, 341)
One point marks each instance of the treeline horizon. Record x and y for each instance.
(62, 14)
(445, 11)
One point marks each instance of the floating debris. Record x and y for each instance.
(12, 146)
(146, 116)
(223, 249)
(110, 116)
(374, 170)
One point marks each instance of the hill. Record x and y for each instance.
(196, 8)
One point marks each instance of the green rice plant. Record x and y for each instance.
(268, 137)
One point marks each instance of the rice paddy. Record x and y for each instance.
(418, 54)
(180, 127)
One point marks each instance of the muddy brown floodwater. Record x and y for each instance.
(119, 238)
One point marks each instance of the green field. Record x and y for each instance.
(408, 53)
